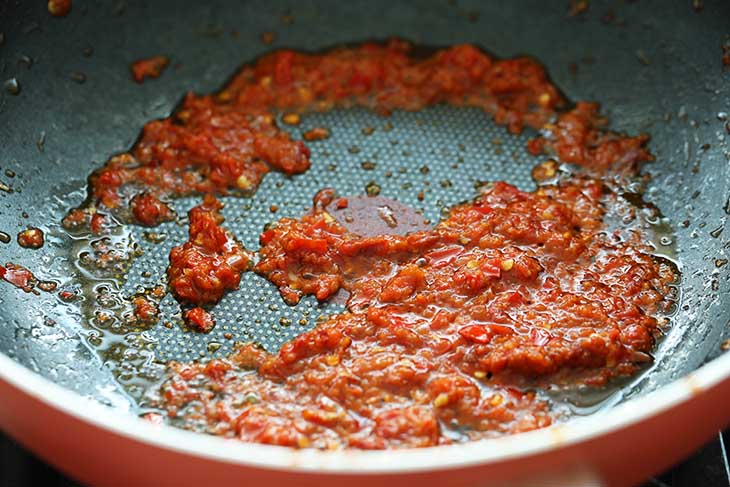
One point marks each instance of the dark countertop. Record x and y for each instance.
(708, 467)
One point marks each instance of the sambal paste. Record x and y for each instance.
(451, 333)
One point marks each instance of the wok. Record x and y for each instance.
(654, 66)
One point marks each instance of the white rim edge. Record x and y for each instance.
(358, 461)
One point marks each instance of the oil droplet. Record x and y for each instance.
(372, 188)
(213, 347)
(78, 77)
(666, 241)
(716, 232)
(41, 142)
(284, 321)
(368, 165)
(268, 37)
(4, 237)
(27, 60)
(12, 86)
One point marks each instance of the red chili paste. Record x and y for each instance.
(448, 331)
(227, 142)
(210, 262)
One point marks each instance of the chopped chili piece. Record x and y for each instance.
(145, 310)
(148, 68)
(22, 278)
(149, 210)
(210, 262)
(31, 238)
(317, 133)
(291, 119)
(200, 319)
(98, 221)
(75, 219)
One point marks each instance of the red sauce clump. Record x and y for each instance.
(32, 238)
(24, 279)
(59, 8)
(227, 142)
(200, 319)
(210, 262)
(517, 274)
(447, 329)
(18, 276)
(98, 223)
(76, 218)
(148, 68)
(579, 137)
(145, 310)
(149, 211)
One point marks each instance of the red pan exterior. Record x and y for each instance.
(98, 456)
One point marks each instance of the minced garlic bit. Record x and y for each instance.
(291, 119)
(243, 182)
(441, 400)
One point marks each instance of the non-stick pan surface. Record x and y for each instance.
(655, 67)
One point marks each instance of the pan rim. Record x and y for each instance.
(470, 454)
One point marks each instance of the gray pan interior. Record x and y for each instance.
(656, 67)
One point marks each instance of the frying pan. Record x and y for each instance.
(655, 66)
